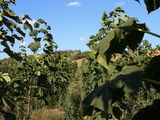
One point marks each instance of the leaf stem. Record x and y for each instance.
(151, 33)
(152, 81)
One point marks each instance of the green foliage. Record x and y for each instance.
(152, 72)
(72, 105)
(123, 76)
(11, 31)
(36, 81)
(140, 57)
(145, 97)
(5, 98)
(117, 33)
(93, 74)
(34, 46)
(39, 80)
(72, 101)
(109, 22)
(123, 85)
(117, 40)
(75, 54)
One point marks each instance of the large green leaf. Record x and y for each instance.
(34, 46)
(151, 4)
(117, 40)
(100, 98)
(125, 84)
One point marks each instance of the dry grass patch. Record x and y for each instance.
(48, 114)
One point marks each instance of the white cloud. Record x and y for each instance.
(82, 38)
(75, 3)
(120, 4)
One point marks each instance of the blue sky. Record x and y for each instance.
(73, 21)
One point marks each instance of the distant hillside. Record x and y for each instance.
(75, 54)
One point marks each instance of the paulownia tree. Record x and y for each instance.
(14, 28)
(115, 36)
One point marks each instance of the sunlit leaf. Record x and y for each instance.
(27, 25)
(6, 77)
(9, 12)
(117, 20)
(124, 16)
(118, 9)
(34, 46)
(23, 17)
(47, 27)
(1, 16)
(36, 25)
(33, 33)
(41, 21)
(43, 31)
